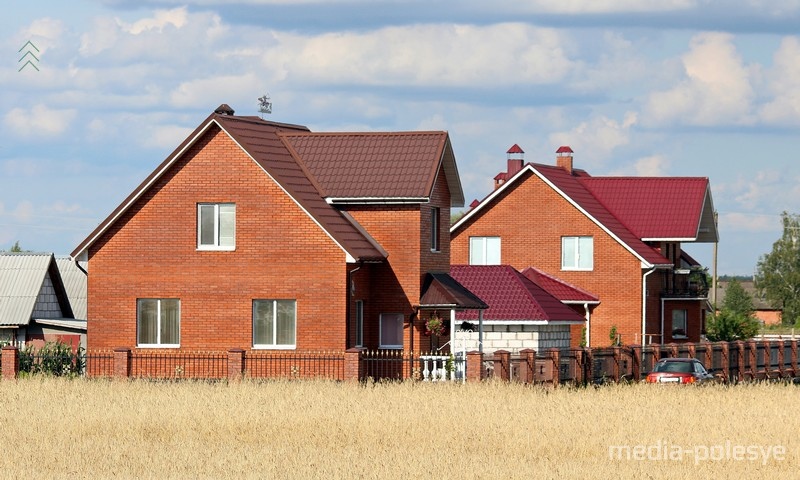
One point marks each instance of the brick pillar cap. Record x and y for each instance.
(122, 349)
(355, 350)
(527, 350)
(9, 347)
(501, 351)
(235, 350)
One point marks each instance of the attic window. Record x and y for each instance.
(216, 226)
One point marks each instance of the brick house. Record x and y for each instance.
(619, 238)
(265, 236)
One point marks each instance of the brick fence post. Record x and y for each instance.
(793, 344)
(235, 364)
(122, 362)
(502, 364)
(636, 368)
(353, 371)
(555, 356)
(752, 348)
(615, 372)
(781, 344)
(726, 362)
(474, 366)
(527, 365)
(656, 352)
(10, 361)
(740, 363)
(708, 361)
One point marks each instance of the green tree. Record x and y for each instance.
(16, 248)
(778, 272)
(736, 320)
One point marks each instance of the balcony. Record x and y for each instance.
(690, 283)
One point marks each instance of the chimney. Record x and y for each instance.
(564, 158)
(224, 109)
(514, 159)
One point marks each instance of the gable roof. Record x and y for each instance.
(22, 276)
(259, 140)
(510, 295)
(638, 202)
(565, 292)
(75, 284)
(377, 166)
(443, 291)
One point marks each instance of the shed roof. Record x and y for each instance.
(511, 296)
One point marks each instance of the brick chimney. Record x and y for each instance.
(515, 157)
(564, 158)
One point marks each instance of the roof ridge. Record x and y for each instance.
(366, 134)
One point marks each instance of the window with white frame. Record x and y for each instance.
(577, 253)
(359, 323)
(679, 323)
(216, 226)
(391, 330)
(435, 219)
(274, 324)
(484, 250)
(158, 322)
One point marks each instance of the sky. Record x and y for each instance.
(706, 88)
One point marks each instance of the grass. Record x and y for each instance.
(56, 428)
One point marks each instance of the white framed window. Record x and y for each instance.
(435, 219)
(577, 253)
(158, 322)
(679, 323)
(216, 226)
(391, 330)
(484, 250)
(274, 324)
(359, 323)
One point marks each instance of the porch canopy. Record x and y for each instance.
(440, 290)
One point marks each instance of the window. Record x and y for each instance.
(158, 322)
(216, 226)
(435, 218)
(484, 250)
(577, 253)
(391, 334)
(359, 323)
(679, 323)
(274, 323)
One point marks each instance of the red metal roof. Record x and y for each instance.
(564, 149)
(558, 288)
(378, 165)
(653, 207)
(510, 295)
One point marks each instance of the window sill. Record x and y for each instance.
(573, 269)
(216, 249)
(151, 345)
(274, 347)
(390, 347)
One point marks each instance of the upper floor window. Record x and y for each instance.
(158, 322)
(274, 323)
(435, 220)
(391, 330)
(679, 318)
(216, 226)
(577, 253)
(484, 250)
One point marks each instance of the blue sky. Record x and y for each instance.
(636, 87)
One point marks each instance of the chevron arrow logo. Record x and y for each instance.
(31, 57)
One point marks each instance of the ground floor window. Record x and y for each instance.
(679, 323)
(359, 323)
(391, 334)
(274, 323)
(158, 322)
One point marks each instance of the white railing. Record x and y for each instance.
(442, 368)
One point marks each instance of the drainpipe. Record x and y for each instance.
(644, 303)
(588, 330)
(480, 331)
(350, 293)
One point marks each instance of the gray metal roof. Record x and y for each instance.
(75, 282)
(21, 279)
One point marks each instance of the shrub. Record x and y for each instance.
(53, 358)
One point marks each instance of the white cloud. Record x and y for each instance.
(44, 33)
(748, 222)
(166, 136)
(595, 140)
(40, 121)
(23, 211)
(652, 166)
(424, 55)
(610, 6)
(783, 82)
(177, 17)
(230, 89)
(716, 88)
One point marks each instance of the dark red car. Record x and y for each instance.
(679, 370)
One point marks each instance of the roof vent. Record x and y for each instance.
(224, 109)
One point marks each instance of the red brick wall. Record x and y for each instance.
(280, 254)
(531, 218)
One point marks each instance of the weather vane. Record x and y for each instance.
(264, 105)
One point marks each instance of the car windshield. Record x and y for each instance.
(677, 367)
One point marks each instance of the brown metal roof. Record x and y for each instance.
(376, 166)
(443, 291)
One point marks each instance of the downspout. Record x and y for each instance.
(588, 330)
(644, 303)
(347, 308)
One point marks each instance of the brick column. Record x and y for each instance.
(781, 346)
(753, 358)
(235, 364)
(636, 370)
(352, 365)
(709, 358)
(122, 362)
(726, 361)
(502, 365)
(10, 361)
(474, 366)
(527, 365)
(617, 360)
(740, 364)
(656, 352)
(793, 343)
(555, 356)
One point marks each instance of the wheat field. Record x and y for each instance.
(57, 428)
